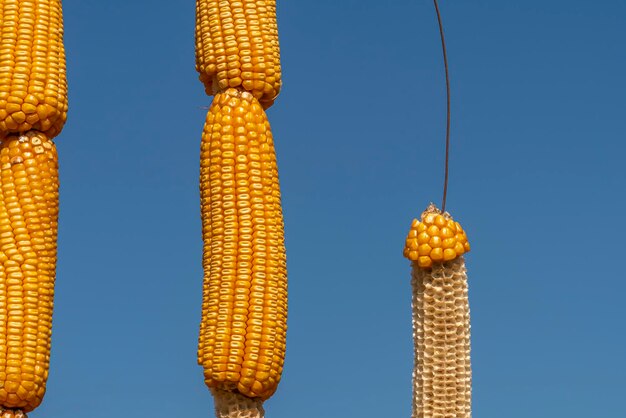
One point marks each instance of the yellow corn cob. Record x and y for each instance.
(442, 377)
(242, 335)
(28, 232)
(237, 46)
(33, 88)
(33, 109)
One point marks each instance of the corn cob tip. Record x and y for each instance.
(12, 413)
(436, 238)
(235, 405)
(238, 93)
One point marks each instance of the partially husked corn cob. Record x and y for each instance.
(442, 375)
(28, 251)
(237, 46)
(33, 88)
(244, 311)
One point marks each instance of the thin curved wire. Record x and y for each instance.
(445, 62)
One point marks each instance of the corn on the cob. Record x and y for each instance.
(33, 109)
(441, 328)
(237, 46)
(242, 337)
(244, 311)
(28, 232)
(33, 88)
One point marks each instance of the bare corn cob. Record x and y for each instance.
(235, 405)
(33, 109)
(10, 413)
(237, 46)
(28, 232)
(33, 88)
(442, 376)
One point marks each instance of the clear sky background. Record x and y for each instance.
(537, 179)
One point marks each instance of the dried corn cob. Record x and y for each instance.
(442, 376)
(237, 46)
(28, 232)
(244, 311)
(33, 88)
(33, 109)
(236, 405)
(243, 328)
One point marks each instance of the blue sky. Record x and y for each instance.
(537, 180)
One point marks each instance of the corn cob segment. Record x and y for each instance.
(235, 405)
(8, 413)
(442, 377)
(33, 87)
(28, 232)
(436, 238)
(244, 311)
(237, 46)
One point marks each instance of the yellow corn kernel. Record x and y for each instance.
(440, 221)
(425, 261)
(424, 249)
(436, 254)
(243, 328)
(423, 238)
(33, 88)
(448, 243)
(449, 254)
(28, 232)
(435, 241)
(237, 47)
(438, 237)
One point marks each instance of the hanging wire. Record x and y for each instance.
(445, 62)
